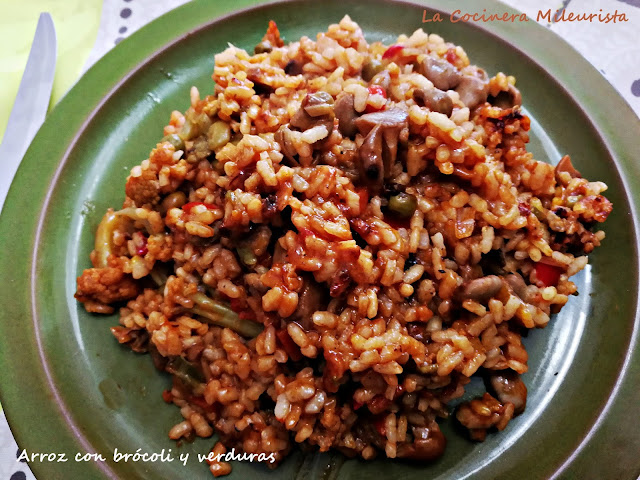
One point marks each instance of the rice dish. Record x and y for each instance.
(325, 249)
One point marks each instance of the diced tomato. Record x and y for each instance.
(524, 209)
(273, 34)
(141, 243)
(548, 274)
(188, 206)
(363, 193)
(167, 397)
(235, 304)
(243, 312)
(375, 90)
(335, 366)
(379, 404)
(392, 51)
(303, 233)
(292, 349)
(357, 405)
(341, 281)
(397, 222)
(380, 426)
(247, 315)
(451, 56)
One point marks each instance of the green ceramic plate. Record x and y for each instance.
(68, 387)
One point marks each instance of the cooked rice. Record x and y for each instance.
(310, 271)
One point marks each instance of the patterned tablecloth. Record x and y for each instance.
(613, 48)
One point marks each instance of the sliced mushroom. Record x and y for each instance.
(302, 120)
(474, 420)
(388, 126)
(429, 444)
(481, 414)
(371, 163)
(394, 117)
(509, 387)
(507, 99)
(293, 67)
(565, 165)
(383, 79)
(259, 79)
(479, 289)
(518, 285)
(442, 74)
(435, 100)
(346, 114)
(474, 89)
(311, 298)
(283, 137)
(493, 262)
(316, 103)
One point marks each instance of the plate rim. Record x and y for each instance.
(223, 10)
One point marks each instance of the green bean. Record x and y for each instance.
(158, 276)
(104, 237)
(175, 140)
(186, 371)
(403, 204)
(219, 314)
(537, 208)
(219, 134)
(247, 256)
(246, 328)
(211, 305)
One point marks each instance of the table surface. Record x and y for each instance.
(87, 29)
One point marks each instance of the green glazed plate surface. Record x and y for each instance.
(68, 387)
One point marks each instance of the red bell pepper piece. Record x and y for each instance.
(451, 56)
(167, 397)
(392, 51)
(375, 90)
(292, 349)
(547, 274)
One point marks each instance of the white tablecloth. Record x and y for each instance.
(613, 48)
